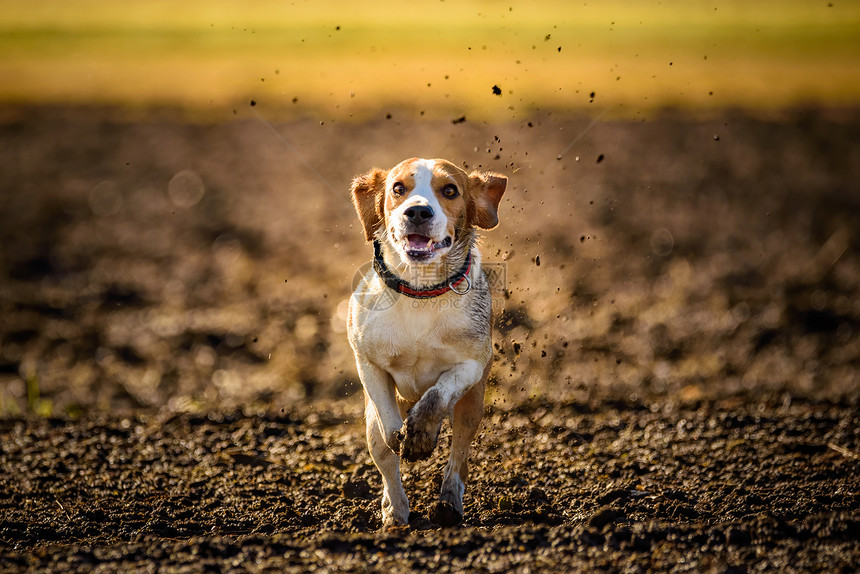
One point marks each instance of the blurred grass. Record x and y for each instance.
(342, 59)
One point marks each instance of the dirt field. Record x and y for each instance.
(676, 381)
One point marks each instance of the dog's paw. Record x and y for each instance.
(418, 441)
(395, 439)
(444, 514)
(420, 431)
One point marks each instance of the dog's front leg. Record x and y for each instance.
(425, 419)
(383, 422)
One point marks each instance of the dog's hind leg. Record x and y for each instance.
(467, 418)
(395, 504)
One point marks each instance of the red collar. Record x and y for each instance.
(401, 286)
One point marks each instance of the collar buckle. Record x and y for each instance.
(468, 285)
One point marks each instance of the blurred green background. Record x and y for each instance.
(351, 59)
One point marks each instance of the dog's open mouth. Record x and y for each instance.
(421, 247)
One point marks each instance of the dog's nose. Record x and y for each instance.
(418, 214)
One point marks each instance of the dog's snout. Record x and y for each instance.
(418, 214)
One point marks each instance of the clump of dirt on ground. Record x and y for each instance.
(675, 382)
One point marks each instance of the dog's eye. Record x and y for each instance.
(398, 188)
(450, 191)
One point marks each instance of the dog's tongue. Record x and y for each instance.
(419, 242)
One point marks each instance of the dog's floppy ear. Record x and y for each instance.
(368, 191)
(485, 192)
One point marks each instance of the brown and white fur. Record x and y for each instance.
(423, 359)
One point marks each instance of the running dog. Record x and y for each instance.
(419, 321)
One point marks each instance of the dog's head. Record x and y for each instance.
(421, 206)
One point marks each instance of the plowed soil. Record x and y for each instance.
(675, 386)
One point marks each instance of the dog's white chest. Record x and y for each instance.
(415, 342)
